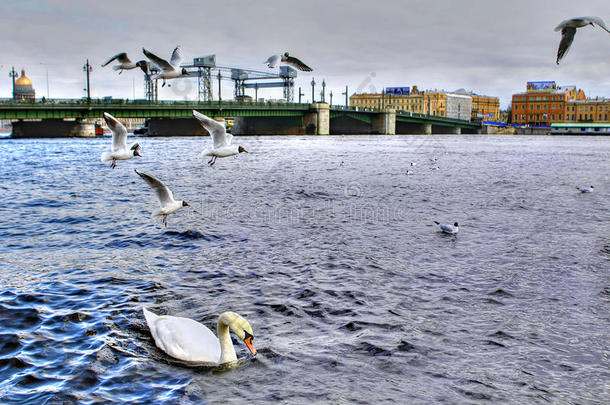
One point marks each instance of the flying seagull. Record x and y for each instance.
(119, 142)
(222, 140)
(165, 196)
(169, 70)
(125, 63)
(450, 229)
(274, 60)
(568, 30)
(585, 189)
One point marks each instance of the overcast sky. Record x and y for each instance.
(490, 47)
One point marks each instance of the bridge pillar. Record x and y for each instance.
(454, 130)
(385, 122)
(53, 128)
(317, 120)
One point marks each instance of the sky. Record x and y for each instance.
(489, 47)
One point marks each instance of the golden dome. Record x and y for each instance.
(23, 80)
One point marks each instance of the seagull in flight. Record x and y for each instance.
(286, 59)
(222, 140)
(165, 196)
(119, 149)
(125, 63)
(585, 189)
(169, 70)
(450, 229)
(568, 30)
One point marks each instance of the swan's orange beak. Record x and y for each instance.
(250, 344)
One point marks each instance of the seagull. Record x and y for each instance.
(274, 60)
(165, 196)
(125, 63)
(568, 30)
(450, 229)
(222, 140)
(413, 164)
(169, 70)
(119, 142)
(585, 189)
(410, 172)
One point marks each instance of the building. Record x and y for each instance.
(430, 102)
(589, 110)
(23, 89)
(544, 103)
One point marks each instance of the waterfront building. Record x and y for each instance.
(590, 110)
(23, 88)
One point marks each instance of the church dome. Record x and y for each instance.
(23, 80)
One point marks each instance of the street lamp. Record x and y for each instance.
(47, 68)
(323, 91)
(12, 74)
(331, 98)
(313, 90)
(345, 94)
(88, 68)
(300, 95)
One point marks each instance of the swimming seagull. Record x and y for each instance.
(222, 140)
(274, 60)
(124, 62)
(450, 229)
(119, 142)
(165, 196)
(568, 30)
(585, 189)
(169, 70)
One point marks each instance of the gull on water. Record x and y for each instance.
(125, 63)
(450, 229)
(585, 189)
(119, 142)
(165, 196)
(169, 70)
(189, 340)
(568, 30)
(222, 141)
(286, 59)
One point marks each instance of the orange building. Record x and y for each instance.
(543, 103)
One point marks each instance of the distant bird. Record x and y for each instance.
(450, 229)
(125, 63)
(189, 340)
(585, 189)
(222, 140)
(568, 30)
(165, 196)
(286, 59)
(413, 164)
(169, 70)
(119, 142)
(410, 172)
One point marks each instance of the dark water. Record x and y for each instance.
(328, 248)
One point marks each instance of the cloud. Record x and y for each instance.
(491, 48)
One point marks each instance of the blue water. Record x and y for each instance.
(328, 247)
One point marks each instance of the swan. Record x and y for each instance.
(189, 340)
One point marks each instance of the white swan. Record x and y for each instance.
(188, 340)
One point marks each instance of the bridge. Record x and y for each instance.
(165, 118)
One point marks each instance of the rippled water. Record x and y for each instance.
(327, 246)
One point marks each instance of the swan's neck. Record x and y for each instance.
(227, 351)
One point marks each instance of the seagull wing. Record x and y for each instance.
(121, 57)
(273, 61)
(119, 133)
(599, 22)
(215, 128)
(161, 63)
(164, 194)
(294, 62)
(176, 57)
(567, 36)
(563, 24)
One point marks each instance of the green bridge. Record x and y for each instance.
(76, 118)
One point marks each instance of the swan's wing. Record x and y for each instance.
(164, 194)
(273, 61)
(294, 62)
(567, 36)
(186, 339)
(119, 133)
(176, 57)
(215, 128)
(121, 57)
(161, 63)
(599, 22)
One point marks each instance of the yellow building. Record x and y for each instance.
(23, 88)
(485, 107)
(589, 110)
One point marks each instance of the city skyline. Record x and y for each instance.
(439, 46)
